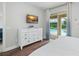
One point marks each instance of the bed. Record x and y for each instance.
(63, 46)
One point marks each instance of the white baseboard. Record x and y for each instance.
(0, 50)
(10, 48)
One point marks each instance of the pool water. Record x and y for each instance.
(54, 32)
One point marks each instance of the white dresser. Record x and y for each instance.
(29, 35)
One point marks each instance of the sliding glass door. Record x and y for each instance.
(63, 26)
(58, 25)
(53, 26)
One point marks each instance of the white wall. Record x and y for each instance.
(16, 18)
(1, 15)
(75, 19)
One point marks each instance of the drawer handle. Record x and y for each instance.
(25, 34)
(28, 41)
(25, 38)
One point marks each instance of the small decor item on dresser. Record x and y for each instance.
(31, 26)
(31, 19)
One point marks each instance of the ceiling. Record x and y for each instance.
(46, 5)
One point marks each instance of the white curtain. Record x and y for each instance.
(69, 15)
(47, 24)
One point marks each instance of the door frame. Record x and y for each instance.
(59, 16)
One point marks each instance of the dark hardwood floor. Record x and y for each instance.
(26, 50)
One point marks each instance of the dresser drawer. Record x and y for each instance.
(28, 36)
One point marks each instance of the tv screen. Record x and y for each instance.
(31, 19)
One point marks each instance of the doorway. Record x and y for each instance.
(58, 24)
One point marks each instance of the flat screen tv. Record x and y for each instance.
(31, 19)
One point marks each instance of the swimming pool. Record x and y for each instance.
(54, 32)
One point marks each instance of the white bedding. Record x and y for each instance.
(63, 46)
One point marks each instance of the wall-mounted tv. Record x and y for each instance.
(31, 19)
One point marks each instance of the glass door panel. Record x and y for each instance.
(58, 25)
(63, 26)
(53, 26)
